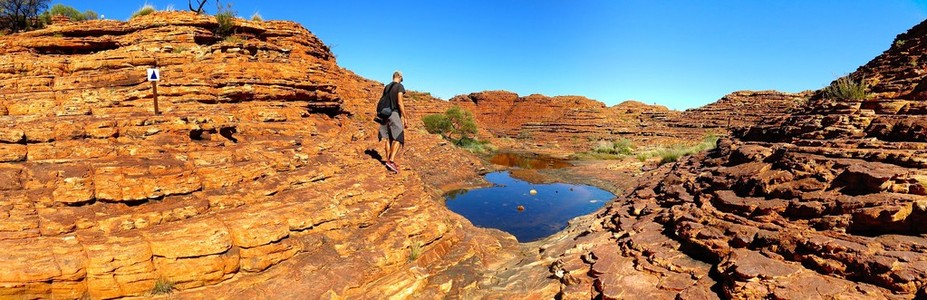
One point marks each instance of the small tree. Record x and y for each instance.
(455, 124)
(17, 15)
(462, 123)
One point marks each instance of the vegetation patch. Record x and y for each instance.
(146, 9)
(162, 287)
(457, 125)
(845, 88)
(623, 148)
(226, 19)
(415, 250)
(257, 17)
(618, 147)
(68, 11)
(668, 154)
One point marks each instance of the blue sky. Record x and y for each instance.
(682, 54)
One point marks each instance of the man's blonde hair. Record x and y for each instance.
(397, 74)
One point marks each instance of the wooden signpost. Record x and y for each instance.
(154, 75)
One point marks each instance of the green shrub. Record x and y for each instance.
(457, 125)
(162, 287)
(415, 250)
(461, 121)
(454, 124)
(619, 147)
(671, 155)
(257, 17)
(146, 9)
(846, 88)
(437, 124)
(226, 19)
(475, 146)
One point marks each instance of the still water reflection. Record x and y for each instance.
(512, 207)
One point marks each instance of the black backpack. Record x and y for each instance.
(385, 105)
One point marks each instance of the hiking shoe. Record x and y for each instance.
(392, 167)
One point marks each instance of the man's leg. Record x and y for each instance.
(395, 150)
(387, 150)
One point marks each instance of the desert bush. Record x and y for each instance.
(257, 17)
(226, 19)
(162, 286)
(475, 146)
(437, 124)
(618, 147)
(415, 250)
(845, 88)
(145, 10)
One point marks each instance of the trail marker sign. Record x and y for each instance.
(154, 75)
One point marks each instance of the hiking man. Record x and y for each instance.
(393, 129)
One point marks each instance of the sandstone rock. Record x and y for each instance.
(204, 237)
(576, 123)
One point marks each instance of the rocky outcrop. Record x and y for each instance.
(825, 203)
(261, 164)
(576, 123)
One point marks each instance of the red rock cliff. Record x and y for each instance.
(576, 123)
(828, 202)
(261, 166)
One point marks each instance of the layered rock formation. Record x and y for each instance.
(576, 123)
(261, 179)
(829, 202)
(737, 110)
(261, 163)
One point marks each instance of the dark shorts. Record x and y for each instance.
(392, 129)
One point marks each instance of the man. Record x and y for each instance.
(394, 127)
